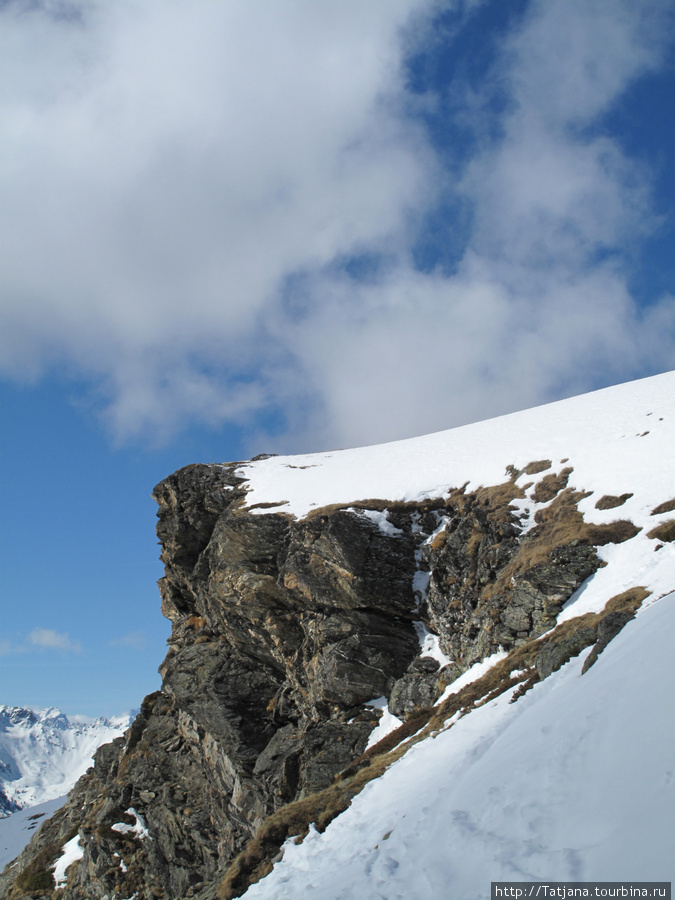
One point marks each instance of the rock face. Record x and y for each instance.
(281, 631)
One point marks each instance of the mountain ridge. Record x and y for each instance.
(43, 752)
(488, 560)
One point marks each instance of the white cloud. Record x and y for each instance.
(49, 639)
(539, 305)
(173, 169)
(135, 640)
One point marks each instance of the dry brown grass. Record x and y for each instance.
(628, 601)
(559, 525)
(270, 504)
(539, 465)
(410, 727)
(551, 485)
(293, 820)
(668, 506)
(611, 501)
(497, 499)
(663, 532)
(379, 505)
(611, 533)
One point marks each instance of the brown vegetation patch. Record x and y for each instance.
(497, 499)
(410, 727)
(611, 533)
(557, 525)
(379, 505)
(628, 601)
(550, 486)
(256, 860)
(268, 505)
(668, 506)
(663, 532)
(35, 884)
(539, 465)
(611, 501)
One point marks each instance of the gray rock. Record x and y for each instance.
(281, 631)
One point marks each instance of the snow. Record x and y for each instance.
(17, 830)
(618, 440)
(476, 671)
(601, 433)
(429, 645)
(388, 722)
(44, 752)
(575, 780)
(138, 829)
(72, 852)
(562, 785)
(380, 519)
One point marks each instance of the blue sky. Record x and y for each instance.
(231, 228)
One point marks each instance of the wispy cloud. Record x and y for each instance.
(177, 223)
(135, 640)
(49, 639)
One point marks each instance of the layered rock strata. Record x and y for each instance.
(282, 631)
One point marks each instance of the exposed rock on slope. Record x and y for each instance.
(283, 629)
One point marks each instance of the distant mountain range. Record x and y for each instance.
(44, 752)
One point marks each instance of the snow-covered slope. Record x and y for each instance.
(620, 440)
(576, 780)
(44, 752)
(16, 830)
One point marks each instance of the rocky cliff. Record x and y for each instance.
(283, 629)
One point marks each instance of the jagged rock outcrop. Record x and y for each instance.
(282, 630)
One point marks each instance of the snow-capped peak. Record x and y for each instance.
(43, 752)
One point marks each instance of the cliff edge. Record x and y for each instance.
(285, 631)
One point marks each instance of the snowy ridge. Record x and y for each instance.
(611, 438)
(617, 441)
(44, 752)
(573, 782)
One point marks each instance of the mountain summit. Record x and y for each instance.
(43, 752)
(401, 671)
